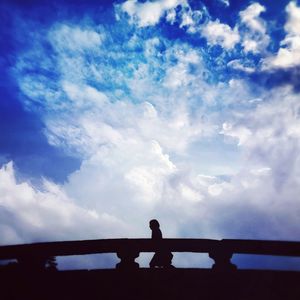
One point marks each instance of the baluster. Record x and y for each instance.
(127, 257)
(222, 257)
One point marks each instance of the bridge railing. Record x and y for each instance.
(34, 256)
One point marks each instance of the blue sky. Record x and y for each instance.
(114, 113)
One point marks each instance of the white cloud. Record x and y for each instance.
(250, 16)
(270, 134)
(178, 75)
(32, 215)
(127, 146)
(75, 38)
(136, 149)
(149, 13)
(255, 38)
(190, 19)
(288, 54)
(171, 16)
(84, 96)
(293, 22)
(250, 31)
(239, 64)
(217, 33)
(241, 133)
(89, 118)
(269, 178)
(187, 19)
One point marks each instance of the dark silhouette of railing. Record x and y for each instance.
(34, 256)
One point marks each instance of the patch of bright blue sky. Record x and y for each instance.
(22, 127)
(22, 138)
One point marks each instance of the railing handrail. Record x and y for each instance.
(65, 248)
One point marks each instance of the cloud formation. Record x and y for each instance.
(149, 13)
(29, 214)
(217, 33)
(288, 55)
(138, 109)
(255, 37)
(129, 142)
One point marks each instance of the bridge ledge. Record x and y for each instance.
(221, 251)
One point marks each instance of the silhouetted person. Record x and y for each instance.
(162, 258)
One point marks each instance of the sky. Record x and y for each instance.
(113, 113)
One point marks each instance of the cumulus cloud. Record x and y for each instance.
(126, 144)
(250, 16)
(149, 13)
(159, 113)
(29, 214)
(288, 55)
(269, 138)
(270, 135)
(217, 33)
(255, 37)
(135, 139)
(250, 30)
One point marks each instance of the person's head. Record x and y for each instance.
(153, 224)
